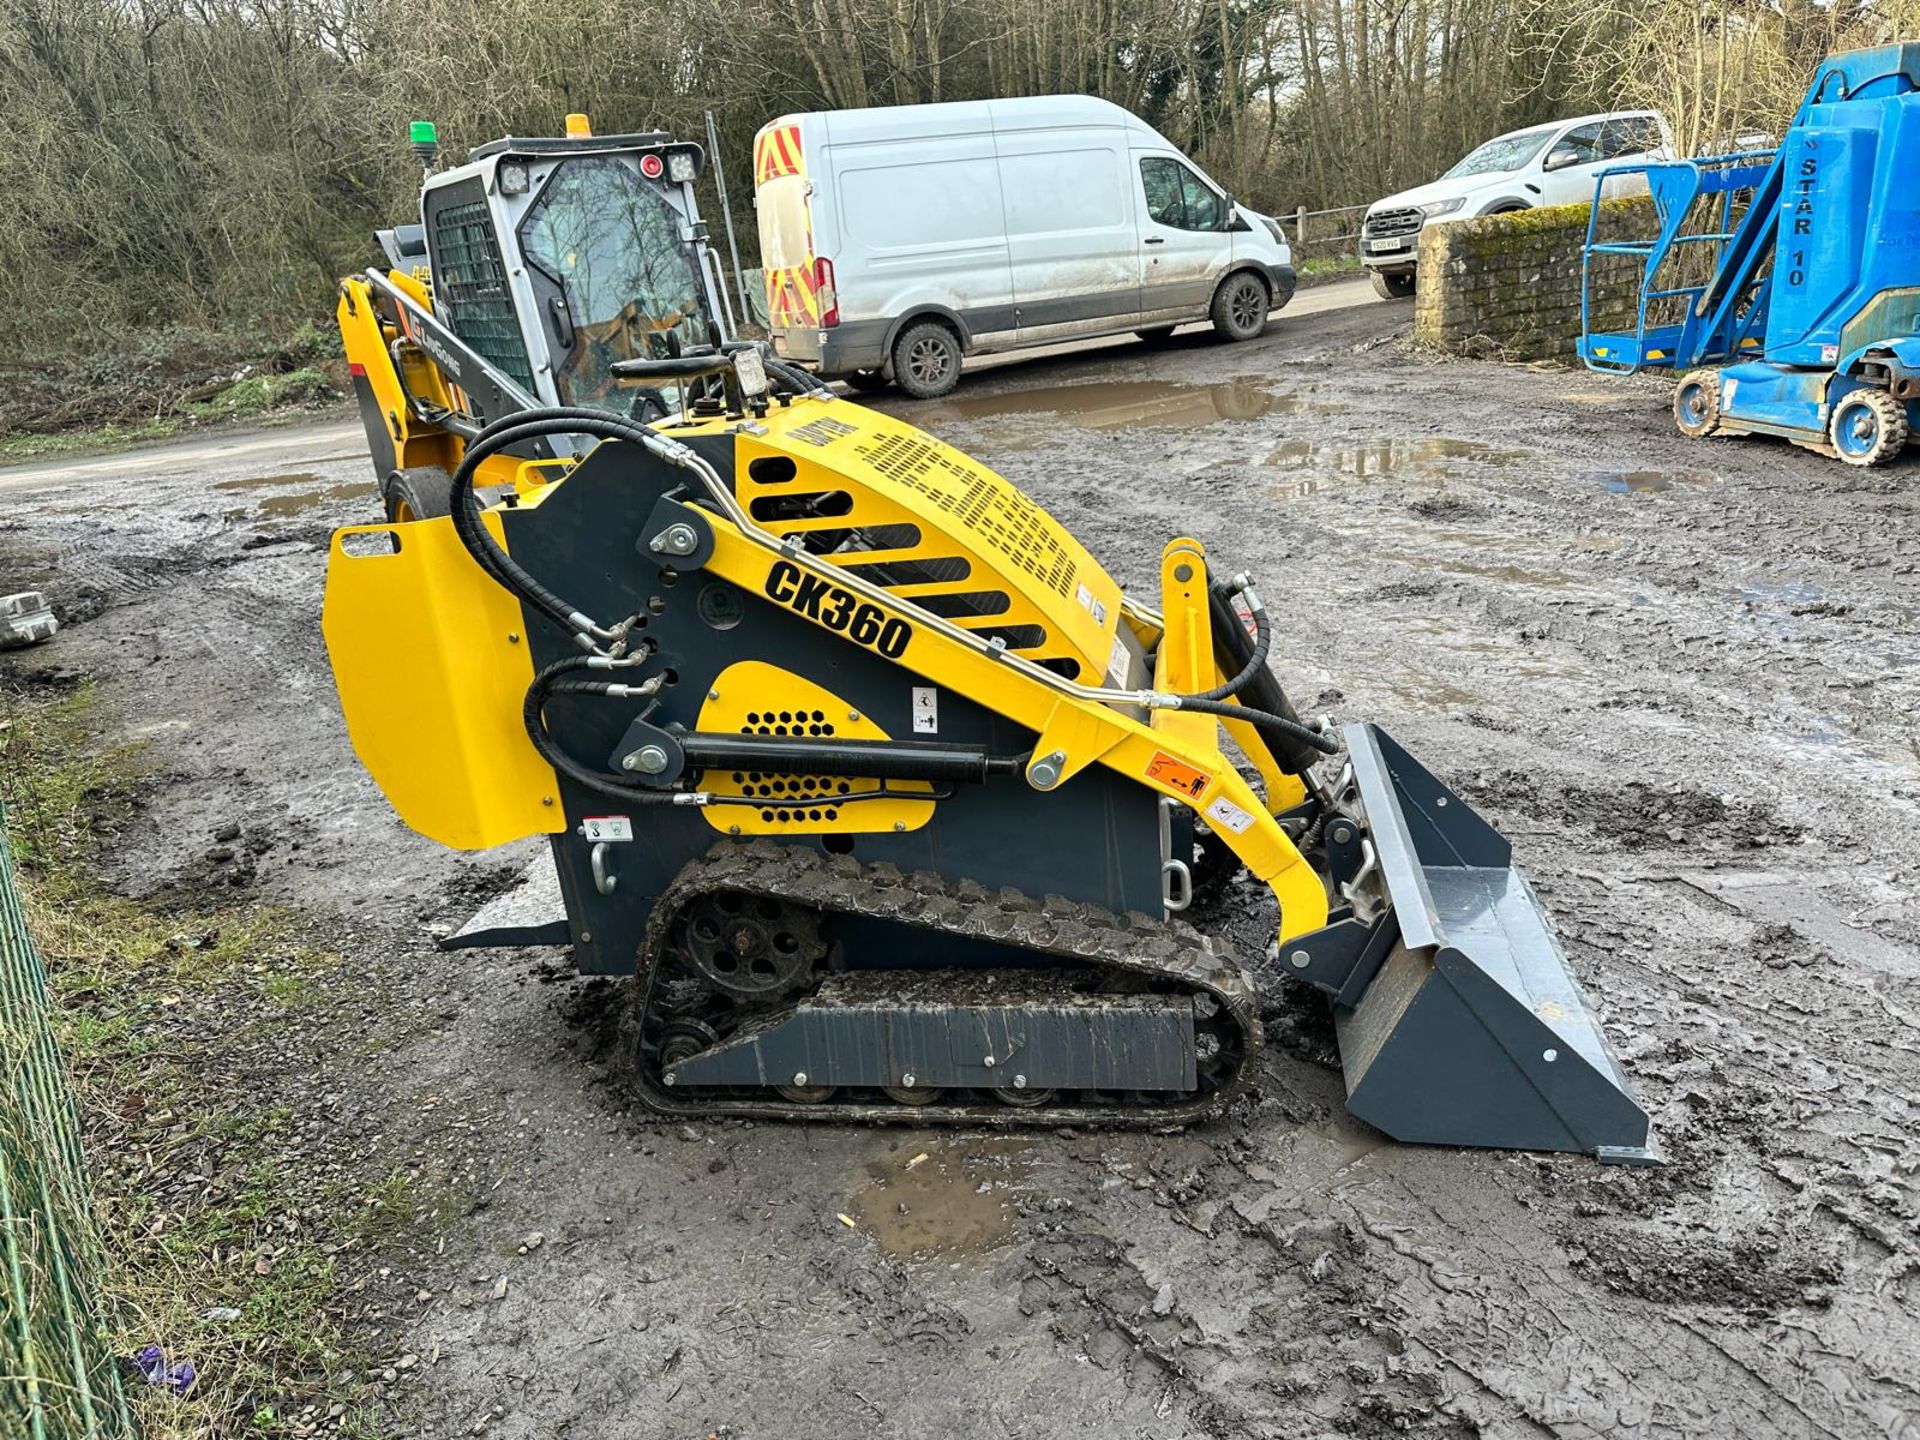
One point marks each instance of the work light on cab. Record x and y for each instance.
(683, 166)
(424, 136)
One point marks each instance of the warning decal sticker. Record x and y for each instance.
(1225, 813)
(1163, 769)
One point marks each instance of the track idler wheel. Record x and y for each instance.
(1023, 1098)
(912, 1095)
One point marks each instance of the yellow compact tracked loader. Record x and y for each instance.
(887, 797)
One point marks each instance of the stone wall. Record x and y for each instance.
(1510, 284)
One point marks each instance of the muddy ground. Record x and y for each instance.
(1680, 675)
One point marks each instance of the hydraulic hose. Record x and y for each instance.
(802, 382)
(1262, 689)
(1285, 730)
(1262, 641)
(487, 553)
(563, 420)
(1262, 720)
(548, 683)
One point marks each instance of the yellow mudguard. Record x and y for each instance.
(431, 662)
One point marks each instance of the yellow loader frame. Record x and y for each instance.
(408, 668)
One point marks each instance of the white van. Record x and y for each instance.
(897, 240)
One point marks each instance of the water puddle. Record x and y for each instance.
(309, 497)
(304, 500)
(269, 482)
(1124, 404)
(1642, 482)
(1513, 574)
(957, 1202)
(1321, 462)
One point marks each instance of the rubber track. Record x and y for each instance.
(1083, 934)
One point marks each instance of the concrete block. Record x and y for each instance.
(25, 619)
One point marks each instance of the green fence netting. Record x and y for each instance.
(58, 1378)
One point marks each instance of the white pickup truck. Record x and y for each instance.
(1545, 165)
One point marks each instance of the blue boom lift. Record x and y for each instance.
(1786, 283)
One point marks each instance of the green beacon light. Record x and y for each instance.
(425, 138)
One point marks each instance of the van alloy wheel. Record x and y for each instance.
(926, 360)
(1240, 306)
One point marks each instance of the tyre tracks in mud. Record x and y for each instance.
(1703, 688)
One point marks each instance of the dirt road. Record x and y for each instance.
(1680, 675)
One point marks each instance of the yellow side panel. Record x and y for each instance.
(963, 510)
(752, 697)
(432, 667)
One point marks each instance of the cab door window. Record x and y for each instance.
(613, 244)
(1178, 198)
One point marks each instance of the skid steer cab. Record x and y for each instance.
(888, 800)
(535, 267)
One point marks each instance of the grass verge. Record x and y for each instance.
(236, 1237)
(164, 384)
(1332, 267)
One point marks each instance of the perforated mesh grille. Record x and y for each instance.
(993, 513)
(793, 789)
(470, 289)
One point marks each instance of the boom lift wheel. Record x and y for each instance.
(1869, 427)
(420, 492)
(1696, 403)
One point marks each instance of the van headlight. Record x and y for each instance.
(1443, 207)
(1273, 229)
